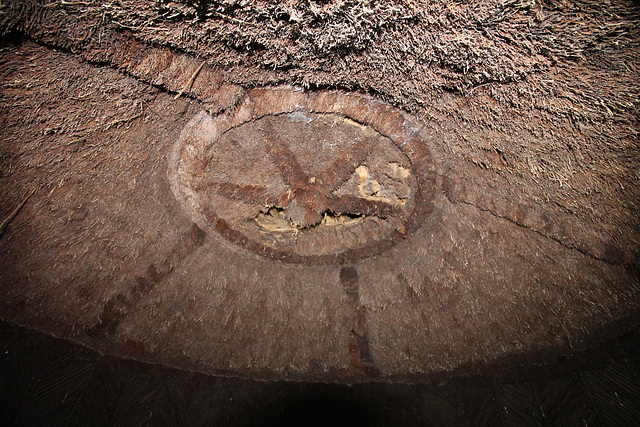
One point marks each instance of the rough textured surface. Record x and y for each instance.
(527, 110)
(311, 178)
(48, 381)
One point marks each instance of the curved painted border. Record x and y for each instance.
(402, 129)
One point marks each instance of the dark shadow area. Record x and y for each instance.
(46, 381)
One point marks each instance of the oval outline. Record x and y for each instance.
(398, 126)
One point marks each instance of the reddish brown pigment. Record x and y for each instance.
(305, 182)
(508, 130)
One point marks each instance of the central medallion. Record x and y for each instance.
(304, 184)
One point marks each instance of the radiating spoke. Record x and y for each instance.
(342, 169)
(361, 206)
(248, 193)
(312, 197)
(283, 157)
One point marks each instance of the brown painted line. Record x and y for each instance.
(358, 347)
(358, 205)
(290, 170)
(342, 169)
(414, 149)
(164, 67)
(345, 257)
(248, 193)
(451, 198)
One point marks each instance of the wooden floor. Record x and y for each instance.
(44, 381)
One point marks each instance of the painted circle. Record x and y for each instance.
(306, 184)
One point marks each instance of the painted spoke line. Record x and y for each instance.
(320, 190)
(359, 205)
(342, 169)
(283, 157)
(248, 193)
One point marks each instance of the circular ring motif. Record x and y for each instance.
(315, 178)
